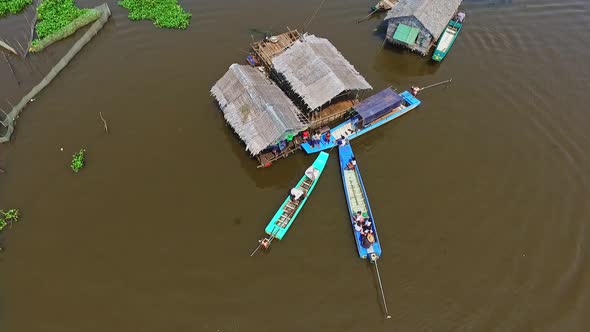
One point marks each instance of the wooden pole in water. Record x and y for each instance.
(435, 84)
(381, 288)
(366, 17)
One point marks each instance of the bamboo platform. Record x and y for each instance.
(385, 5)
(331, 113)
(265, 49)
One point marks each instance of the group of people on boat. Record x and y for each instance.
(316, 138)
(364, 225)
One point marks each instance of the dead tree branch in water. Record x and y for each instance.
(106, 127)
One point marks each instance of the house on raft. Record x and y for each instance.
(417, 24)
(313, 73)
(260, 113)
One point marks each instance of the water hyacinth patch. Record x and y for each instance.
(54, 15)
(164, 13)
(8, 217)
(8, 7)
(87, 17)
(78, 161)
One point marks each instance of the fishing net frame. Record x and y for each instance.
(29, 16)
(9, 118)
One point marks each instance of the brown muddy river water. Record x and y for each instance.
(481, 196)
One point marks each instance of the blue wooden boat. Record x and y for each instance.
(446, 41)
(286, 214)
(357, 200)
(369, 114)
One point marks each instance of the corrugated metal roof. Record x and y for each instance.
(406, 34)
(317, 72)
(433, 14)
(256, 108)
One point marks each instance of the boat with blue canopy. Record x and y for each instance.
(286, 214)
(361, 218)
(369, 114)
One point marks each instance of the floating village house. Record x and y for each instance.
(259, 112)
(313, 73)
(417, 24)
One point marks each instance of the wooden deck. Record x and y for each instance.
(266, 158)
(331, 113)
(265, 49)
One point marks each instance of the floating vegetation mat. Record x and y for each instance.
(8, 217)
(8, 7)
(164, 13)
(78, 161)
(58, 19)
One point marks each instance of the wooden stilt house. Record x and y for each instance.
(259, 112)
(417, 24)
(313, 73)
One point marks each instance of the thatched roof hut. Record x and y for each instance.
(256, 108)
(314, 70)
(417, 24)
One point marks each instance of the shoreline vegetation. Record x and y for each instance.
(58, 19)
(11, 7)
(164, 13)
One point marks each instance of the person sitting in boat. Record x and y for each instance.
(367, 240)
(312, 173)
(351, 164)
(460, 17)
(318, 138)
(342, 141)
(296, 195)
(327, 137)
(358, 220)
(305, 136)
(315, 139)
(367, 226)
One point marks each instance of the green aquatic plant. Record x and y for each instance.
(78, 161)
(87, 17)
(164, 13)
(8, 217)
(54, 15)
(9, 7)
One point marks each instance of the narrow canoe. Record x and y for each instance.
(357, 200)
(447, 40)
(286, 214)
(350, 130)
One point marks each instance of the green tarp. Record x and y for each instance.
(406, 34)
